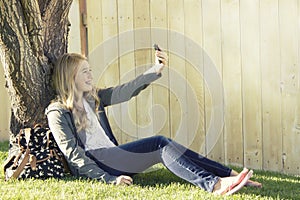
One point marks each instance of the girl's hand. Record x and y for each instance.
(161, 58)
(124, 180)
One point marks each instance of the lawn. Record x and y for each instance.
(156, 184)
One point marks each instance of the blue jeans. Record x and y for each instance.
(135, 157)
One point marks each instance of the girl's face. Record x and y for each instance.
(83, 78)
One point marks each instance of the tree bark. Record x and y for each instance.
(34, 33)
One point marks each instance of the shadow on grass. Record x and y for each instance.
(275, 185)
(160, 176)
(4, 146)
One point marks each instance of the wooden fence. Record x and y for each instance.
(231, 91)
(4, 108)
(252, 44)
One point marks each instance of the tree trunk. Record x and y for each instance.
(34, 33)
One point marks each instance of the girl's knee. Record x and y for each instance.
(162, 139)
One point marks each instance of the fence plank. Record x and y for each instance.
(251, 82)
(94, 20)
(111, 76)
(213, 59)
(177, 72)
(74, 34)
(194, 72)
(161, 96)
(288, 23)
(5, 108)
(143, 61)
(232, 81)
(127, 68)
(271, 98)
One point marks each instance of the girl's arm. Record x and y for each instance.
(126, 91)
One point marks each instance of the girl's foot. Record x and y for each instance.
(253, 184)
(242, 183)
(250, 183)
(229, 185)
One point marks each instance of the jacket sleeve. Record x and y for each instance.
(126, 91)
(79, 163)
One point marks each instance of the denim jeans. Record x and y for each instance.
(135, 157)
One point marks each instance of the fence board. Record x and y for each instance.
(288, 23)
(127, 68)
(161, 96)
(271, 97)
(251, 83)
(94, 20)
(194, 73)
(212, 59)
(143, 61)
(5, 108)
(111, 76)
(74, 34)
(178, 98)
(297, 114)
(232, 81)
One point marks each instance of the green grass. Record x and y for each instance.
(157, 184)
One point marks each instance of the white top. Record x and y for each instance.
(95, 135)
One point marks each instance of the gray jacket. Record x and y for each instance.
(61, 123)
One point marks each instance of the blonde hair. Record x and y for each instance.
(64, 74)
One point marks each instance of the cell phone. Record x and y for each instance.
(156, 47)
